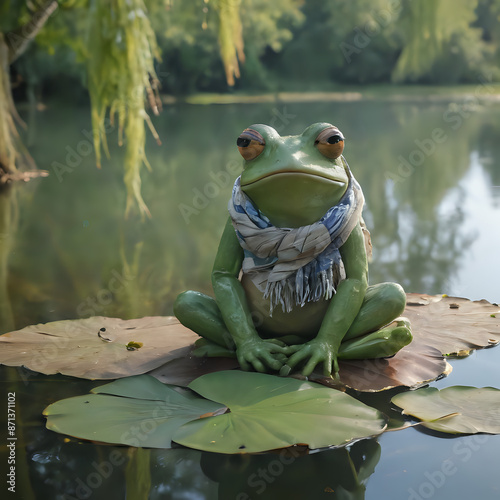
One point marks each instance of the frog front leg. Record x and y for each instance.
(368, 335)
(227, 320)
(343, 309)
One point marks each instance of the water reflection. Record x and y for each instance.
(74, 470)
(339, 473)
(70, 254)
(73, 243)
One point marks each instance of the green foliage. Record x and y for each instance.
(230, 37)
(434, 30)
(122, 48)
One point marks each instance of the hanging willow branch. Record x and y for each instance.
(230, 37)
(122, 47)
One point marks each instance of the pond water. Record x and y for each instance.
(430, 171)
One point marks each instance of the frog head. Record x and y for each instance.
(295, 179)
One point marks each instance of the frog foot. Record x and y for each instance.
(383, 343)
(206, 348)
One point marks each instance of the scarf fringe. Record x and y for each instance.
(301, 288)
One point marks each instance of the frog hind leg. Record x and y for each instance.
(200, 313)
(377, 331)
(379, 344)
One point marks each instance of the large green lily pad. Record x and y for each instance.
(74, 347)
(268, 412)
(264, 412)
(136, 411)
(454, 410)
(454, 325)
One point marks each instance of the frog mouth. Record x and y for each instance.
(322, 177)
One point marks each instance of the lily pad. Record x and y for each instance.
(440, 325)
(454, 325)
(183, 370)
(264, 412)
(454, 410)
(415, 365)
(97, 347)
(136, 411)
(269, 412)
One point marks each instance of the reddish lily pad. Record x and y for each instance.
(413, 366)
(97, 347)
(440, 325)
(454, 325)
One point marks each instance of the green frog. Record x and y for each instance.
(290, 277)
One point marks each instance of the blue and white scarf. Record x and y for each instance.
(292, 266)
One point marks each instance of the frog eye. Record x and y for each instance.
(250, 144)
(330, 142)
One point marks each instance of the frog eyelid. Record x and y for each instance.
(330, 142)
(250, 144)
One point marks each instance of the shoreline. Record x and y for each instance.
(482, 92)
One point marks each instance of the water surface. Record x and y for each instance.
(431, 177)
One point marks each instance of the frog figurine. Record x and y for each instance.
(290, 276)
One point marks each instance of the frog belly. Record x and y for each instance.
(303, 321)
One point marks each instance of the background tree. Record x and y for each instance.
(12, 46)
(123, 51)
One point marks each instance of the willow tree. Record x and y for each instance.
(433, 29)
(121, 52)
(13, 154)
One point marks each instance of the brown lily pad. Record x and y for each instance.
(454, 325)
(97, 347)
(415, 365)
(183, 370)
(81, 348)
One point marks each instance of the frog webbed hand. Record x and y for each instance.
(316, 352)
(261, 354)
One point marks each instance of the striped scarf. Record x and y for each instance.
(292, 266)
